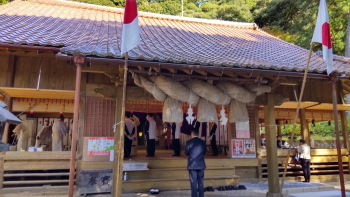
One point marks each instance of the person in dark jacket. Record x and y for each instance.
(195, 150)
(175, 134)
(214, 147)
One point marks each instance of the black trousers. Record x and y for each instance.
(151, 147)
(176, 146)
(214, 147)
(197, 182)
(127, 146)
(305, 165)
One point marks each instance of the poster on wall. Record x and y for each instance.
(237, 148)
(100, 145)
(242, 130)
(249, 148)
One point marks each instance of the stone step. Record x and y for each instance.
(168, 173)
(181, 162)
(176, 183)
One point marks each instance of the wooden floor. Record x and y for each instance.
(167, 155)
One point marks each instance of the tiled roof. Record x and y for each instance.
(96, 30)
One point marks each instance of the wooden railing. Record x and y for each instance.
(23, 169)
(323, 162)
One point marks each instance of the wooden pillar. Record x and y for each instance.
(118, 142)
(81, 129)
(10, 74)
(279, 127)
(304, 126)
(229, 137)
(257, 139)
(2, 172)
(79, 61)
(344, 127)
(271, 148)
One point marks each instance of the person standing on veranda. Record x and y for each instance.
(212, 137)
(195, 150)
(59, 129)
(44, 136)
(175, 134)
(128, 134)
(151, 134)
(22, 133)
(305, 157)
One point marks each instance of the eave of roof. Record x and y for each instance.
(95, 30)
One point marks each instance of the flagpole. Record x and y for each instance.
(334, 79)
(119, 148)
(296, 116)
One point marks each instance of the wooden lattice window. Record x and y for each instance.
(99, 117)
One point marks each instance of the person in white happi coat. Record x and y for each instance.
(151, 134)
(22, 133)
(44, 136)
(128, 134)
(59, 129)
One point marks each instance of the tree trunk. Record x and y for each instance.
(347, 40)
(347, 54)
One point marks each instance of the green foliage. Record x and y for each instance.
(298, 18)
(98, 2)
(4, 1)
(321, 130)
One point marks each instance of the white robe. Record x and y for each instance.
(22, 136)
(59, 129)
(152, 129)
(45, 137)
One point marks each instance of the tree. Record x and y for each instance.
(4, 1)
(298, 18)
(347, 39)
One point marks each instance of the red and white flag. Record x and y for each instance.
(322, 34)
(131, 32)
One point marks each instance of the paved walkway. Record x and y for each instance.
(291, 189)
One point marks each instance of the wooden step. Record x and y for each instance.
(43, 182)
(36, 189)
(175, 163)
(312, 172)
(164, 173)
(176, 184)
(36, 174)
(292, 166)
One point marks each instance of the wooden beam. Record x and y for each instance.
(271, 146)
(156, 69)
(219, 74)
(172, 70)
(100, 68)
(133, 93)
(202, 72)
(230, 74)
(187, 71)
(200, 77)
(141, 68)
